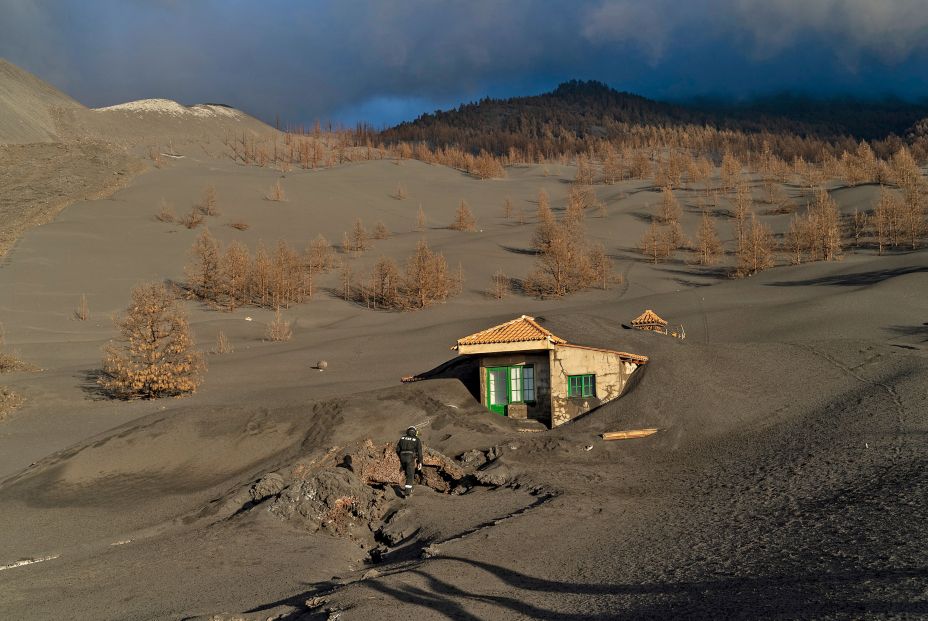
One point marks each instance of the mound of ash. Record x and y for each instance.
(346, 492)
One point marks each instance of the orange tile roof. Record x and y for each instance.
(649, 317)
(518, 330)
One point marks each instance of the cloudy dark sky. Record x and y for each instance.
(389, 60)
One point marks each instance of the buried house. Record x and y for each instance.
(521, 370)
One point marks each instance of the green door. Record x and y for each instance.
(498, 389)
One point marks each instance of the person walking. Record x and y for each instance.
(409, 449)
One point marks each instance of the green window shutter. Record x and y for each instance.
(581, 385)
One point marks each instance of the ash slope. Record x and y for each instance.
(33, 111)
(29, 106)
(788, 480)
(54, 151)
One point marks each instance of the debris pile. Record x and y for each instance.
(346, 492)
(380, 465)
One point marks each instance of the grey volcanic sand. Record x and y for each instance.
(788, 479)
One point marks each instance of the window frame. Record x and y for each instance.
(584, 381)
(525, 386)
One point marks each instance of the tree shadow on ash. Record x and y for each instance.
(852, 593)
(916, 331)
(90, 385)
(685, 276)
(516, 250)
(858, 279)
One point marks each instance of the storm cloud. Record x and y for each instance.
(391, 59)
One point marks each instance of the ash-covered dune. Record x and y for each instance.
(169, 125)
(166, 489)
(54, 150)
(30, 109)
(33, 111)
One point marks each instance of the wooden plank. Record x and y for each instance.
(629, 434)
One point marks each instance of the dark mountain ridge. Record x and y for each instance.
(580, 110)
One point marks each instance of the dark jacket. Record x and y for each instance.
(410, 445)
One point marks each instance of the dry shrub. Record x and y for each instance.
(208, 202)
(565, 262)
(193, 219)
(613, 165)
(484, 166)
(463, 219)
(584, 170)
(427, 277)
(776, 197)
(507, 208)
(755, 252)
(203, 273)
(743, 205)
(346, 280)
(384, 288)
(234, 276)
(9, 401)
(730, 171)
(888, 219)
(279, 329)
(166, 213)
(154, 154)
(82, 312)
(381, 231)
(319, 259)
(400, 192)
(655, 244)
(640, 167)
(500, 285)
(276, 193)
(670, 207)
(825, 219)
(602, 273)
(426, 281)
(156, 356)
(420, 219)
(359, 237)
(231, 277)
(10, 362)
(223, 345)
(240, 225)
(708, 245)
(858, 223)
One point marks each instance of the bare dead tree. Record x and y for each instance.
(708, 244)
(463, 219)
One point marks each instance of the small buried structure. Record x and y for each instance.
(652, 322)
(521, 370)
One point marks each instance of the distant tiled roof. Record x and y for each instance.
(516, 331)
(648, 318)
